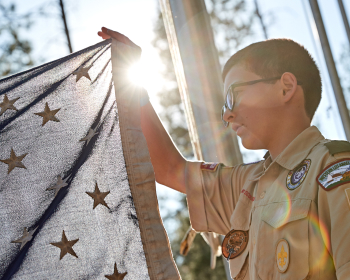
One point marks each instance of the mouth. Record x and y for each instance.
(237, 128)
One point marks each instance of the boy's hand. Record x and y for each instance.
(169, 170)
(107, 33)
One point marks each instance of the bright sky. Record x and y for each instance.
(292, 23)
(135, 18)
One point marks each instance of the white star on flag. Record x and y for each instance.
(92, 133)
(82, 71)
(14, 161)
(49, 194)
(59, 185)
(26, 237)
(7, 104)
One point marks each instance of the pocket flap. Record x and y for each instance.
(237, 264)
(280, 213)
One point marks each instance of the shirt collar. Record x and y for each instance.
(267, 155)
(299, 148)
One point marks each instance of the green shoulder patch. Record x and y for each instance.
(335, 174)
(338, 146)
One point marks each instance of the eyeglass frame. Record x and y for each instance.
(229, 90)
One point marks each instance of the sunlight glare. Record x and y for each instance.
(137, 74)
(146, 73)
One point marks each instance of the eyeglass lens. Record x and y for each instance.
(229, 99)
(223, 109)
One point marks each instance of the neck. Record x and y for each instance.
(285, 136)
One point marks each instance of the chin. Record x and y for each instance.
(251, 143)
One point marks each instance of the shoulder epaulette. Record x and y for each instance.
(338, 146)
(249, 163)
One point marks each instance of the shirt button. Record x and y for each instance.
(262, 195)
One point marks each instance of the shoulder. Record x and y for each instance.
(336, 169)
(214, 166)
(330, 150)
(240, 171)
(252, 163)
(336, 147)
(250, 170)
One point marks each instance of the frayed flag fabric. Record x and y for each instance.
(77, 189)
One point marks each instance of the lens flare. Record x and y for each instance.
(287, 207)
(135, 74)
(320, 228)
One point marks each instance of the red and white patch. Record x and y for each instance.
(335, 174)
(211, 166)
(247, 194)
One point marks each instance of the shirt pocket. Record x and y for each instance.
(240, 220)
(284, 220)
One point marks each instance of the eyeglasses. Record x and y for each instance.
(230, 96)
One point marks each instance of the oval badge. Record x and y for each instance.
(296, 176)
(234, 243)
(282, 255)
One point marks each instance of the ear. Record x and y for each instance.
(289, 85)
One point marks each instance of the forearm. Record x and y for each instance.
(168, 163)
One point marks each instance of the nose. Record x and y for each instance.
(228, 115)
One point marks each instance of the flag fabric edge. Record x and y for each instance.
(160, 262)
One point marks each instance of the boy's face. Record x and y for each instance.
(258, 109)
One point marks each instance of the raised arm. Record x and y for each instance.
(168, 163)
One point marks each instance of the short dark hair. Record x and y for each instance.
(274, 57)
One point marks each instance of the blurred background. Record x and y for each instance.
(35, 32)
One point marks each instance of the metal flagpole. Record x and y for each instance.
(345, 19)
(338, 91)
(198, 73)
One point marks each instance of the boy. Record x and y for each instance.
(287, 216)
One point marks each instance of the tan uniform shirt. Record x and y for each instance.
(282, 205)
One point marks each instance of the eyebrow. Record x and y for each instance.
(238, 82)
(235, 83)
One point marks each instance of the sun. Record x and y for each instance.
(136, 74)
(145, 73)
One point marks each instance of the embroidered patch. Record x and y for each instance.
(296, 176)
(247, 194)
(335, 174)
(234, 243)
(282, 255)
(209, 166)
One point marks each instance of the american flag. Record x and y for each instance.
(66, 209)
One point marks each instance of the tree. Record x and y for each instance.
(234, 24)
(14, 50)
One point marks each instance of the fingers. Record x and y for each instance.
(107, 33)
(103, 35)
(116, 35)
